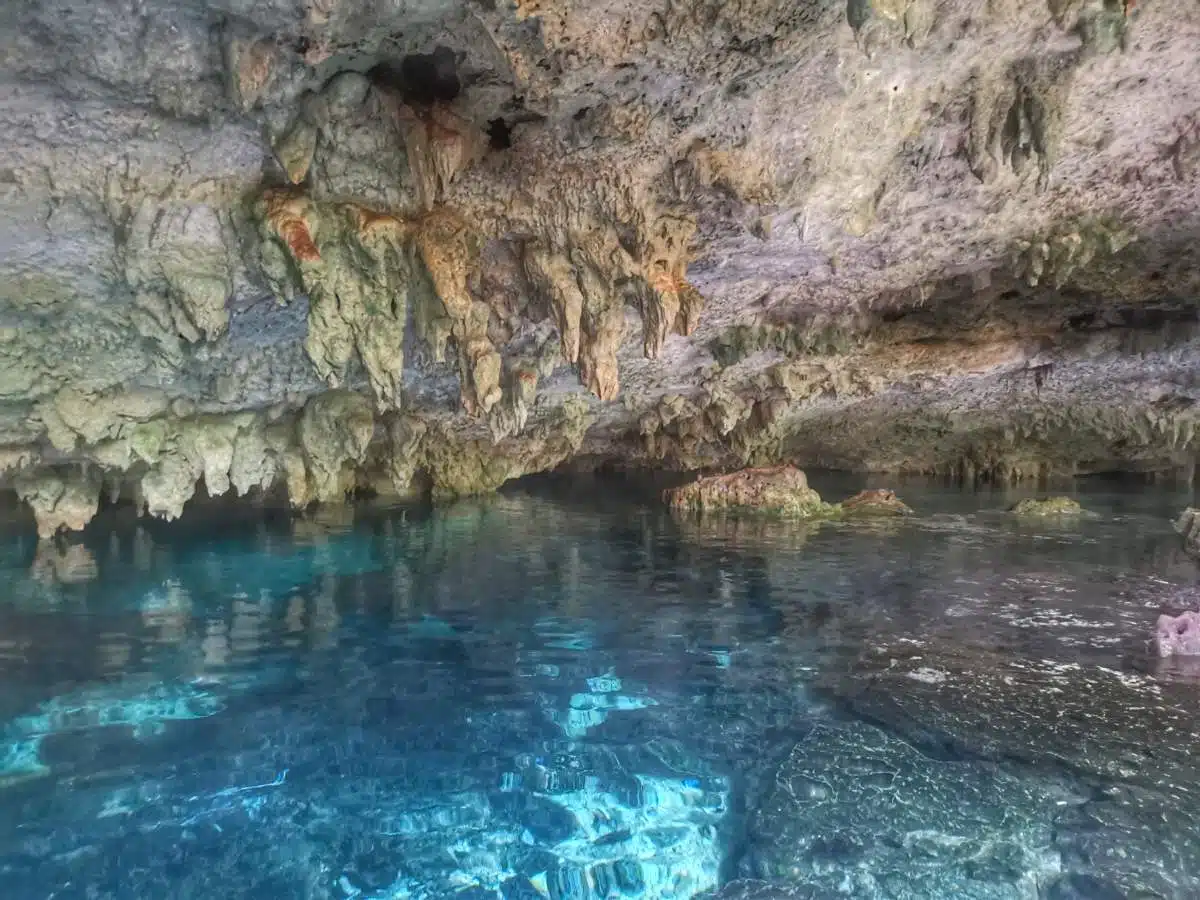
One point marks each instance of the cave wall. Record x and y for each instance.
(331, 245)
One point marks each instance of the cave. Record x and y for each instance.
(582, 449)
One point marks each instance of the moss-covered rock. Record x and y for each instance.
(779, 490)
(1048, 507)
(793, 341)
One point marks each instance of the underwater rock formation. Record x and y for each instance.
(1130, 735)
(859, 844)
(897, 237)
(143, 708)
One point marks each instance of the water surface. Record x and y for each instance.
(564, 692)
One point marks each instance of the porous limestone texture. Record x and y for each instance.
(1188, 526)
(876, 502)
(781, 491)
(337, 246)
(954, 702)
(1049, 507)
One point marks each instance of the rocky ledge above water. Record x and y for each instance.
(781, 491)
(330, 246)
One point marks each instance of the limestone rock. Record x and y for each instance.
(781, 490)
(872, 503)
(1058, 256)
(1049, 507)
(354, 266)
(61, 500)
(891, 236)
(252, 66)
(14, 459)
(718, 426)
(184, 453)
(464, 468)
(405, 435)
(254, 463)
(167, 487)
(438, 145)
(335, 431)
(177, 262)
(449, 251)
(1188, 526)
(1016, 117)
(73, 416)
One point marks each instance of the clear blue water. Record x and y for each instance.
(563, 692)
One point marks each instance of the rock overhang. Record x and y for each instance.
(871, 236)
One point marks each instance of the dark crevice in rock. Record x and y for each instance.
(421, 79)
(499, 134)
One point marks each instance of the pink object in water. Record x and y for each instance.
(1178, 635)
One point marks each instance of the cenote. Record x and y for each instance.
(567, 691)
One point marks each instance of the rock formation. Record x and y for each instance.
(876, 502)
(1188, 526)
(1178, 635)
(335, 247)
(1047, 508)
(782, 490)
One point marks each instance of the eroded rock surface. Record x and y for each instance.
(781, 491)
(877, 502)
(1188, 526)
(906, 237)
(1047, 508)
(1130, 735)
(974, 824)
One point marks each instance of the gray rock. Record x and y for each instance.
(857, 812)
(1125, 739)
(885, 236)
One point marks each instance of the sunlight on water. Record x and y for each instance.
(564, 693)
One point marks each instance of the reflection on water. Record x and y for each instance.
(565, 693)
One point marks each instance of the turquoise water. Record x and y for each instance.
(564, 692)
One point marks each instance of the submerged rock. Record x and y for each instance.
(855, 811)
(1049, 507)
(753, 889)
(142, 708)
(779, 490)
(1129, 740)
(878, 502)
(1178, 635)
